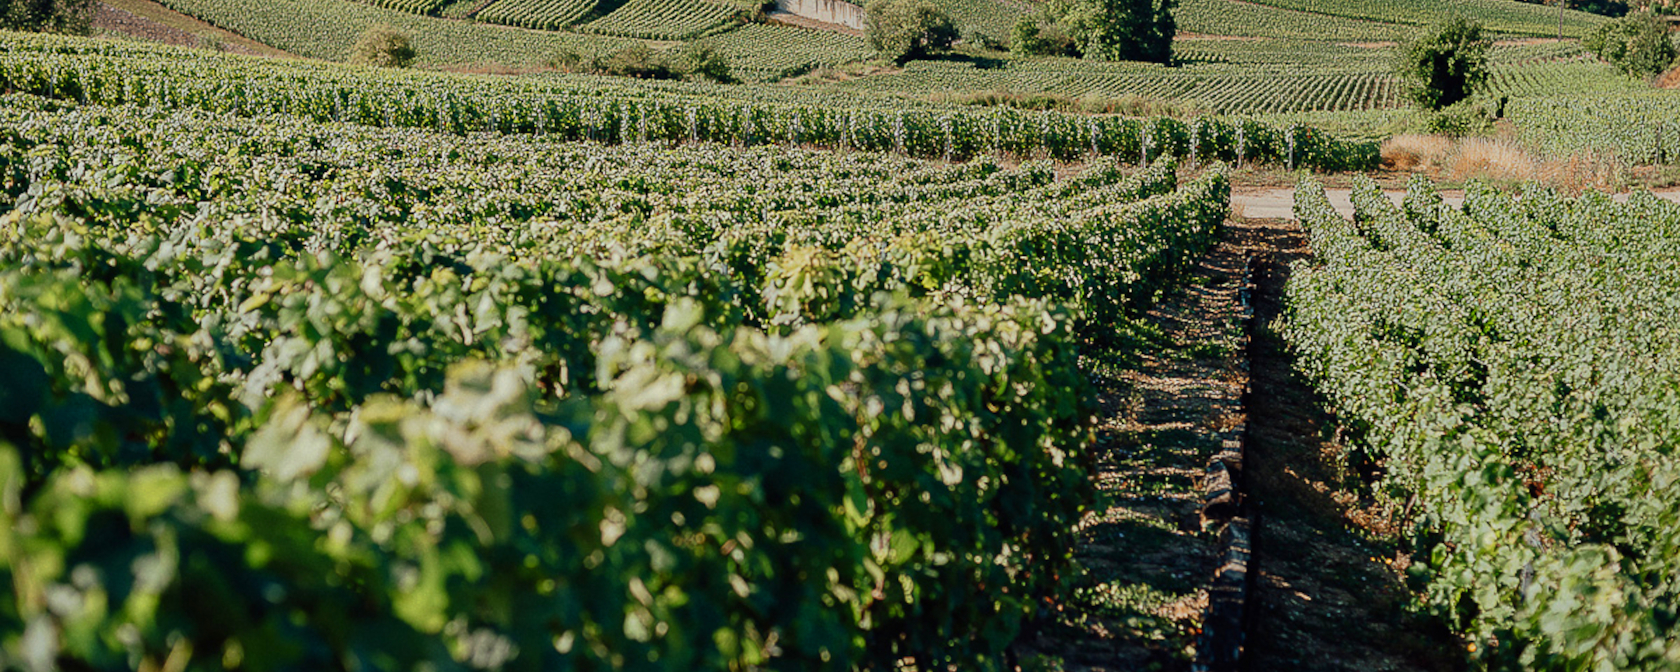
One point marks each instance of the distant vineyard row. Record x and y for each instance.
(550, 107)
(649, 19)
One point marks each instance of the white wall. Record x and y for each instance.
(829, 11)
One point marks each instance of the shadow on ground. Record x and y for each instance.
(1327, 594)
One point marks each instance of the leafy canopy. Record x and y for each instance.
(385, 47)
(1123, 30)
(1107, 30)
(71, 17)
(902, 30)
(1445, 63)
(1638, 44)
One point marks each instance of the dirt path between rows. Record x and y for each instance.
(1328, 590)
(1171, 394)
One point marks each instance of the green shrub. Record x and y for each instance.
(1445, 63)
(986, 40)
(902, 30)
(1123, 30)
(1638, 44)
(385, 47)
(1042, 35)
(697, 60)
(638, 61)
(71, 17)
(1460, 120)
(700, 60)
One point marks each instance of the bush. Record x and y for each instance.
(212, 42)
(902, 30)
(697, 60)
(385, 47)
(70, 17)
(1444, 64)
(638, 61)
(986, 41)
(704, 61)
(1123, 30)
(1638, 44)
(1043, 36)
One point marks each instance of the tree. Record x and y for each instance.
(71, 17)
(906, 29)
(1123, 30)
(1042, 36)
(1638, 44)
(703, 61)
(385, 47)
(1445, 63)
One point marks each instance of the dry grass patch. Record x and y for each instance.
(1491, 159)
(1669, 80)
(1499, 160)
(1415, 153)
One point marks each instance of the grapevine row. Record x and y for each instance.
(418, 399)
(460, 105)
(1522, 398)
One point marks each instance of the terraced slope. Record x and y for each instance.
(1505, 16)
(539, 14)
(664, 19)
(325, 29)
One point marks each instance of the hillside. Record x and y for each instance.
(1236, 56)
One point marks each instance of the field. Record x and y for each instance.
(590, 108)
(851, 366)
(1292, 57)
(714, 373)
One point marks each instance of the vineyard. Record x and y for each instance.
(1246, 19)
(325, 29)
(1234, 58)
(849, 367)
(537, 14)
(114, 75)
(1511, 364)
(1268, 77)
(428, 7)
(1500, 16)
(665, 19)
(379, 392)
(1638, 128)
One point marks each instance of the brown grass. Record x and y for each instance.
(1415, 153)
(1580, 171)
(494, 68)
(1500, 160)
(1669, 80)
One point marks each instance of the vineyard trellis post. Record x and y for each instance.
(898, 132)
(1242, 144)
(1145, 140)
(1195, 142)
(1292, 133)
(950, 140)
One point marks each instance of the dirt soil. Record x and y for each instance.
(1328, 591)
(153, 22)
(1330, 554)
(1147, 562)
